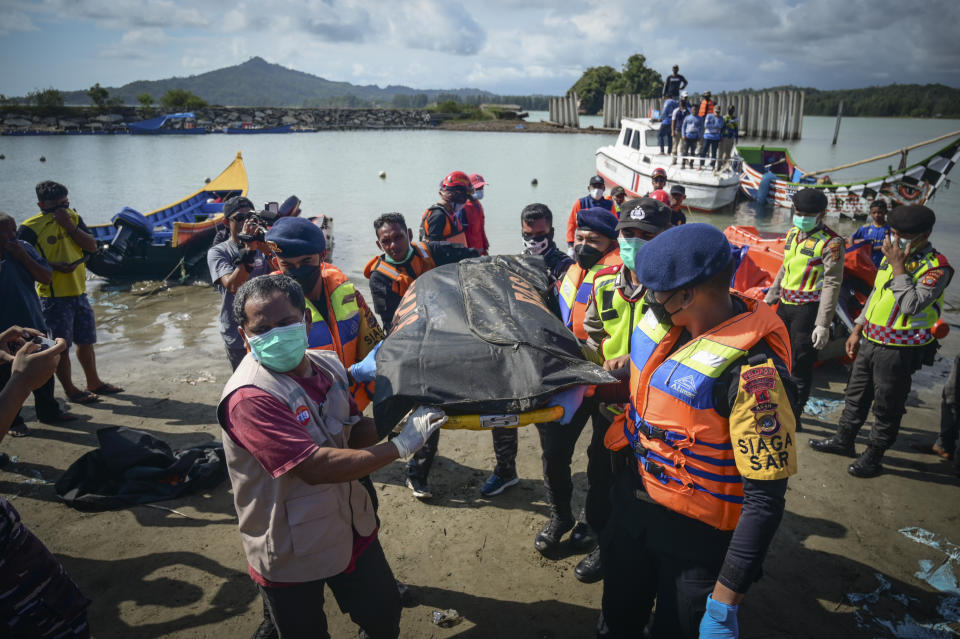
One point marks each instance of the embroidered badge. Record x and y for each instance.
(767, 424)
(303, 415)
(930, 278)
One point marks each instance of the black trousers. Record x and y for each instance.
(419, 465)
(800, 320)
(557, 442)
(368, 594)
(650, 554)
(505, 450)
(881, 376)
(47, 406)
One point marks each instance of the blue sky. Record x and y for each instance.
(504, 46)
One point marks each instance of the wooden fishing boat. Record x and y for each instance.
(760, 255)
(629, 162)
(770, 174)
(151, 245)
(161, 125)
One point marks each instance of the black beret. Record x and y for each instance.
(597, 219)
(682, 256)
(296, 236)
(911, 219)
(810, 201)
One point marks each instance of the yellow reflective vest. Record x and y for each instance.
(618, 314)
(803, 266)
(885, 324)
(55, 245)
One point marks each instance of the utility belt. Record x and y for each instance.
(791, 296)
(897, 337)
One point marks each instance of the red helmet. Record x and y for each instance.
(661, 195)
(659, 172)
(456, 179)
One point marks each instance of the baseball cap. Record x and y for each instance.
(645, 214)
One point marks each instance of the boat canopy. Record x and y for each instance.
(157, 123)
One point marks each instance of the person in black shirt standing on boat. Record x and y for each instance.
(674, 84)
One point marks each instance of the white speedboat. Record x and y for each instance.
(630, 162)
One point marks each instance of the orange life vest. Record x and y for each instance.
(452, 226)
(682, 444)
(421, 262)
(706, 106)
(576, 289)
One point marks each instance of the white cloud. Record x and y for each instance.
(12, 19)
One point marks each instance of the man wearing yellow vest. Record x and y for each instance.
(612, 313)
(295, 444)
(897, 323)
(391, 274)
(808, 286)
(60, 236)
(708, 444)
(595, 247)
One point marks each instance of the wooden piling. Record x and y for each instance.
(836, 128)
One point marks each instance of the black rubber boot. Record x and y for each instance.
(548, 539)
(840, 444)
(588, 570)
(868, 464)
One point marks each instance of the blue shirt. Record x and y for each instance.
(712, 127)
(691, 127)
(20, 306)
(875, 235)
(666, 114)
(220, 262)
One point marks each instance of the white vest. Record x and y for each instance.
(293, 531)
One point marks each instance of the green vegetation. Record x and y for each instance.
(899, 100)
(454, 110)
(47, 101)
(180, 99)
(634, 78)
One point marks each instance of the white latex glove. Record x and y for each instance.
(421, 423)
(820, 337)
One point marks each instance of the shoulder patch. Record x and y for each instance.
(930, 278)
(762, 424)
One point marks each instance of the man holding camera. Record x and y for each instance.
(233, 262)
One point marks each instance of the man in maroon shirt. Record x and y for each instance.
(295, 446)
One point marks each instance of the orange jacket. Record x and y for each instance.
(421, 262)
(683, 447)
(452, 227)
(706, 106)
(576, 289)
(475, 232)
(586, 202)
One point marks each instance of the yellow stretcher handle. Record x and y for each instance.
(514, 420)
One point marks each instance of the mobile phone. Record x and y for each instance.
(44, 342)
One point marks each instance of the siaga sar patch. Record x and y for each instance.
(762, 425)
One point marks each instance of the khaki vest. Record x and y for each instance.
(292, 531)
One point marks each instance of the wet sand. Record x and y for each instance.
(177, 569)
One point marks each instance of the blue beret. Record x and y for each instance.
(296, 236)
(597, 219)
(682, 256)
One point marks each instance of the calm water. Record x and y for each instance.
(336, 173)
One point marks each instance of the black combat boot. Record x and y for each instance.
(840, 444)
(868, 464)
(582, 537)
(588, 570)
(548, 539)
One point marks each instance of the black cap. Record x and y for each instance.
(911, 219)
(646, 214)
(677, 189)
(234, 203)
(810, 201)
(597, 180)
(617, 190)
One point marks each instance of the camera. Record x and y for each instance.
(263, 219)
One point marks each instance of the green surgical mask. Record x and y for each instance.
(406, 257)
(280, 349)
(629, 248)
(805, 223)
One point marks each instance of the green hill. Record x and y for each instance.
(257, 82)
(893, 100)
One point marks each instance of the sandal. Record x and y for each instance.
(106, 389)
(84, 397)
(19, 429)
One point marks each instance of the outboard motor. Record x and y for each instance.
(133, 230)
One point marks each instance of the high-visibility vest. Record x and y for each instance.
(54, 245)
(803, 266)
(421, 262)
(706, 106)
(885, 323)
(682, 444)
(575, 291)
(618, 314)
(452, 226)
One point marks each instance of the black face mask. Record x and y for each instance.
(586, 255)
(306, 275)
(659, 309)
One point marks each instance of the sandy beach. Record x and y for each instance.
(839, 566)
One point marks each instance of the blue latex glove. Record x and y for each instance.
(719, 621)
(366, 369)
(569, 400)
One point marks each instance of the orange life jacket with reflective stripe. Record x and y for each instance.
(576, 289)
(420, 262)
(706, 106)
(682, 444)
(452, 226)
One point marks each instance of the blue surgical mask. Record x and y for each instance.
(805, 223)
(406, 257)
(478, 194)
(280, 349)
(629, 248)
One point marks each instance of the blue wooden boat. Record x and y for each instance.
(287, 128)
(155, 126)
(148, 246)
